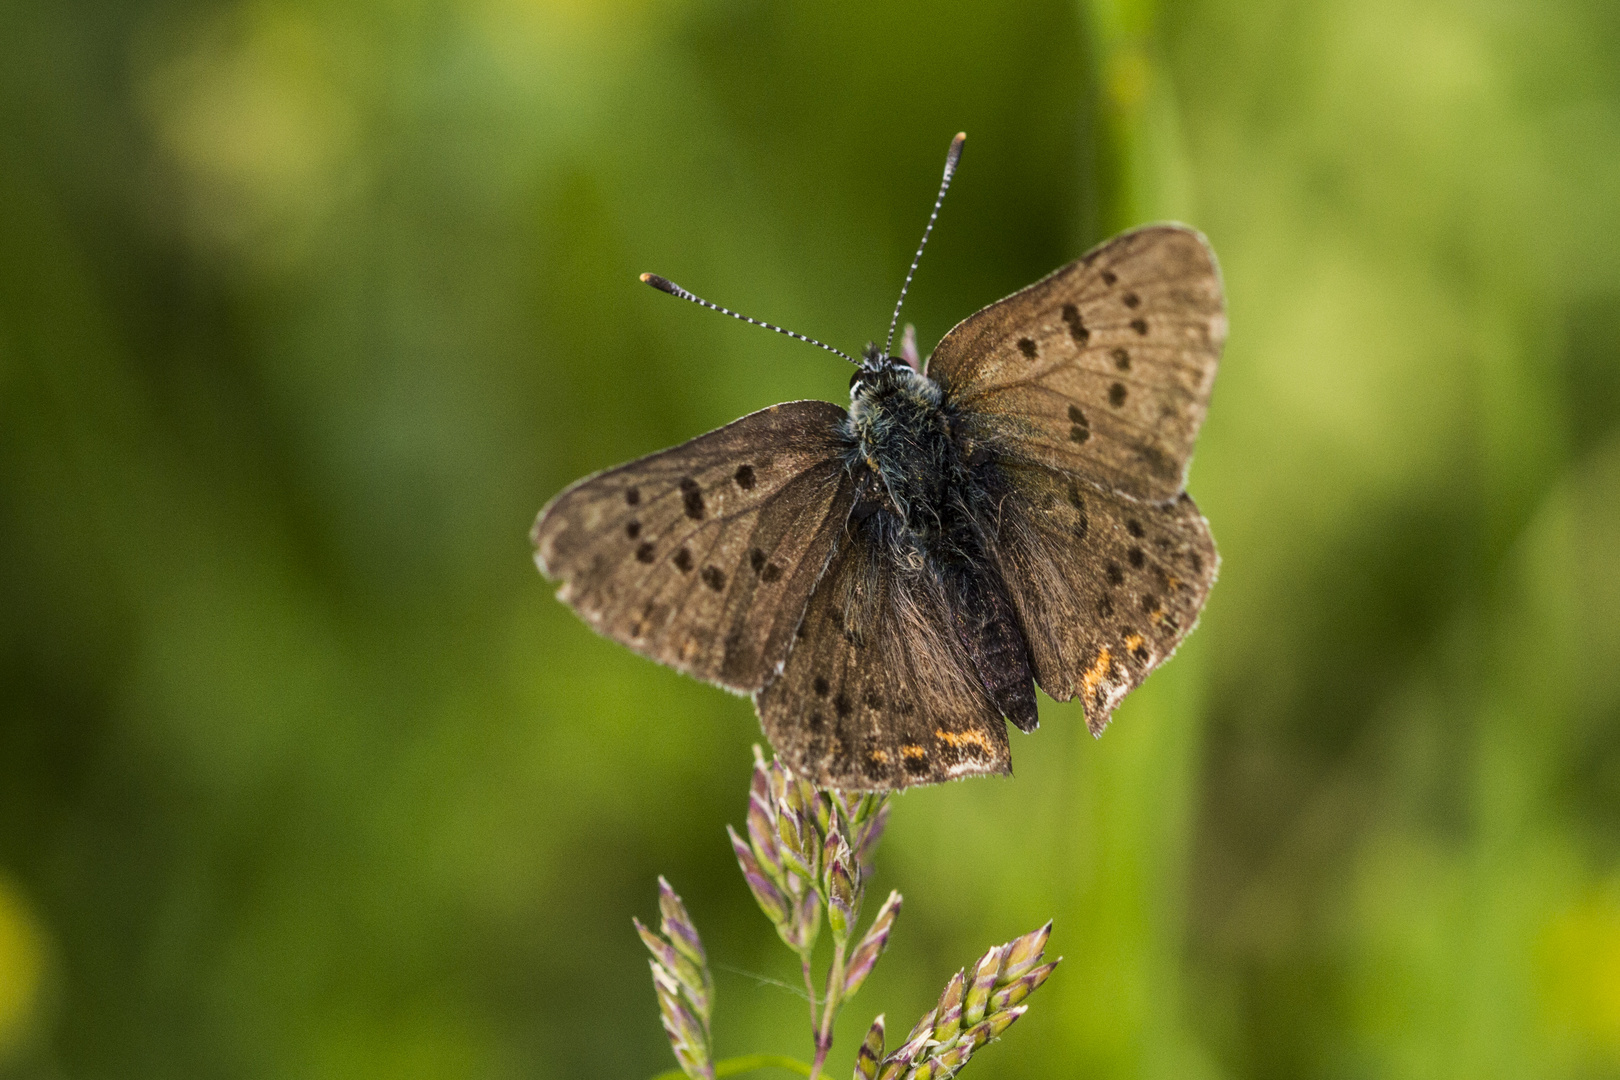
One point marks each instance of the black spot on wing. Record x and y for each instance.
(692, 497)
(632, 528)
(744, 476)
(1077, 328)
(714, 577)
(632, 496)
(1081, 431)
(644, 553)
(1140, 326)
(683, 561)
(1157, 461)
(1109, 277)
(1116, 395)
(1122, 359)
(1027, 347)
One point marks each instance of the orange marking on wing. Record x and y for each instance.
(879, 756)
(1097, 673)
(913, 751)
(1133, 642)
(958, 739)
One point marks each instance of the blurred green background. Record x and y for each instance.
(306, 306)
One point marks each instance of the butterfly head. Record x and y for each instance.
(883, 382)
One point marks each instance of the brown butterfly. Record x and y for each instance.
(889, 582)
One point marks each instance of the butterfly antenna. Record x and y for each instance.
(952, 156)
(663, 284)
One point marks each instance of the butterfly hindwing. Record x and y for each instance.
(703, 557)
(1105, 586)
(1103, 368)
(878, 692)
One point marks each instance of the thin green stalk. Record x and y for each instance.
(835, 984)
(1142, 171)
(809, 987)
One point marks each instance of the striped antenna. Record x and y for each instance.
(663, 284)
(952, 156)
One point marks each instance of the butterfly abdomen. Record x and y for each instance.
(989, 631)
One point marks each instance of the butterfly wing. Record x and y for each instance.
(878, 692)
(1088, 389)
(703, 557)
(1102, 369)
(1105, 586)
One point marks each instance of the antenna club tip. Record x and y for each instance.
(961, 137)
(662, 284)
(646, 277)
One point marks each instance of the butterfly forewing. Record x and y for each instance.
(1105, 586)
(1103, 368)
(703, 557)
(878, 692)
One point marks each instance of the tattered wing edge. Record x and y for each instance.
(1099, 726)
